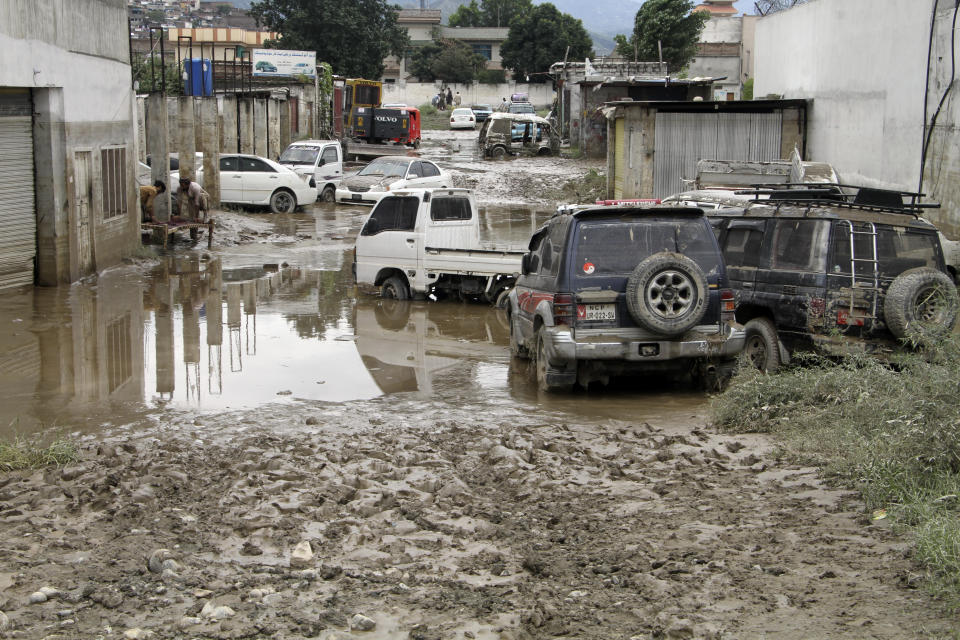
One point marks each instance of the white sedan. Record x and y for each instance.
(388, 173)
(252, 180)
(463, 118)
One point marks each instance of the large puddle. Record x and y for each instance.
(265, 324)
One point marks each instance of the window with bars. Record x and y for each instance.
(113, 181)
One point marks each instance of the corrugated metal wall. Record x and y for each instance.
(18, 218)
(683, 138)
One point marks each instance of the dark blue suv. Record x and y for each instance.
(621, 289)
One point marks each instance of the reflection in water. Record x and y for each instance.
(194, 335)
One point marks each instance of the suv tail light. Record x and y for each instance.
(728, 305)
(564, 309)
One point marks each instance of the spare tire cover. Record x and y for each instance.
(921, 303)
(667, 293)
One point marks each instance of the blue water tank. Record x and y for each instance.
(199, 77)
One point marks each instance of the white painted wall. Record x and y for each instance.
(418, 93)
(95, 89)
(722, 29)
(862, 63)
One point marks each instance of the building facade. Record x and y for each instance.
(68, 204)
(867, 80)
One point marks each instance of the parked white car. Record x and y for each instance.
(463, 118)
(320, 162)
(389, 173)
(252, 180)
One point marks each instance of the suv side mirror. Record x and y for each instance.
(371, 228)
(321, 162)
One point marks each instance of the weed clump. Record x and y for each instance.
(588, 189)
(20, 454)
(889, 429)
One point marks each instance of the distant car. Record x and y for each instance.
(462, 118)
(481, 111)
(521, 107)
(387, 173)
(266, 67)
(252, 180)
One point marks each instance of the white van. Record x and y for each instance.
(320, 159)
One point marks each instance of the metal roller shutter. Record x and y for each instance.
(18, 221)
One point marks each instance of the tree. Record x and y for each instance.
(354, 37)
(672, 24)
(539, 38)
(156, 16)
(447, 60)
(151, 77)
(772, 6)
(489, 13)
(467, 15)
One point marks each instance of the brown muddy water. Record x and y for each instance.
(276, 321)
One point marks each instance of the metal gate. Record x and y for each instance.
(18, 218)
(683, 138)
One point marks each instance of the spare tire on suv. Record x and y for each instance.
(667, 293)
(921, 303)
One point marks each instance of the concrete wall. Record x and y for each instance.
(862, 64)
(941, 174)
(418, 93)
(82, 86)
(714, 64)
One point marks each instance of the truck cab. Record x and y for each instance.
(322, 160)
(418, 242)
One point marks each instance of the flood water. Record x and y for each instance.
(270, 323)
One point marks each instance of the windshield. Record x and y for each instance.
(616, 247)
(388, 168)
(300, 155)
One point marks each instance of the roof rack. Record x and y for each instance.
(831, 194)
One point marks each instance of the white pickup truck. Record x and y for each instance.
(418, 242)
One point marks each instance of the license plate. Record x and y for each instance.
(599, 312)
(356, 196)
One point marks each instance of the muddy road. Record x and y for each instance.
(265, 453)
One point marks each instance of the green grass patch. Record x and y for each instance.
(22, 454)
(432, 118)
(588, 189)
(890, 430)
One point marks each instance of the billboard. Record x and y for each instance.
(280, 62)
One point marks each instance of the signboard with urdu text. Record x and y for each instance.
(279, 62)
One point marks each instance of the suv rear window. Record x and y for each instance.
(616, 247)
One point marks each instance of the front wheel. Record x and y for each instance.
(499, 152)
(762, 346)
(282, 201)
(395, 288)
(329, 194)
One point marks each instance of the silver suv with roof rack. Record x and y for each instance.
(834, 268)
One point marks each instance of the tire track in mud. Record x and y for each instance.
(436, 524)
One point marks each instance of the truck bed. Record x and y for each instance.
(485, 260)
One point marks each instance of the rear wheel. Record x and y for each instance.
(395, 288)
(762, 346)
(544, 370)
(282, 201)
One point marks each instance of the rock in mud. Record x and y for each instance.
(137, 634)
(158, 561)
(302, 555)
(360, 622)
(37, 597)
(4, 622)
(216, 612)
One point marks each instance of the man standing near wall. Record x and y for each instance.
(456, 99)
